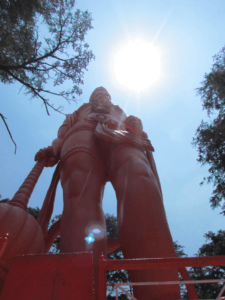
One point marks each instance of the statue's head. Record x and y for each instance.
(100, 100)
(100, 93)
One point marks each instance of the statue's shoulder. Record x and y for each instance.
(118, 111)
(117, 107)
(83, 111)
(86, 107)
(77, 115)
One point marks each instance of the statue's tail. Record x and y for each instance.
(22, 196)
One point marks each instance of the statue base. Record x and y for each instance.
(50, 276)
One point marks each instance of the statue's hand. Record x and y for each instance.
(134, 125)
(47, 155)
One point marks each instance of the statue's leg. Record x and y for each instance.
(143, 227)
(82, 179)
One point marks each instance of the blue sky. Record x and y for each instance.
(188, 34)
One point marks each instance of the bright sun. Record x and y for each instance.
(137, 65)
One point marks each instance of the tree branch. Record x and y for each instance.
(48, 54)
(46, 104)
(6, 125)
(58, 58)
(32, 89)
(36, 69)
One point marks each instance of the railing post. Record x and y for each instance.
(102, 278)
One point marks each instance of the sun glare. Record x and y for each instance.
(137, 65)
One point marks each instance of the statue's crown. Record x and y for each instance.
(98, 91)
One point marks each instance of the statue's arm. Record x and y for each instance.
(50, 155)
(57, 143)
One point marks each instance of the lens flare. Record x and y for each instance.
(90, 238)
(96, 230)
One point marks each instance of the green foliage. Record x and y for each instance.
(179, 249)
(6, 200)
(215, 246)
(210, 136)
(33, 211)
(120, 275)
(111, 226)
(42, 41)
(17, 10)
(56, 245)
(180, 253)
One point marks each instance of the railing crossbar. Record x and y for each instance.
(118, 286)
(158, 263)
(167, 282)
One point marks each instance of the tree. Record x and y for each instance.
(215, 246)
(210, 136)
(42, 42)
(179, 249)
(56, 245)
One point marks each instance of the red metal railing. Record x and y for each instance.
(159, 263)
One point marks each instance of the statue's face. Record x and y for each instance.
(101, 103)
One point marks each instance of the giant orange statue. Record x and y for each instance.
(99, 143)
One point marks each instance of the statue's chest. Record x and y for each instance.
(112, 119)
